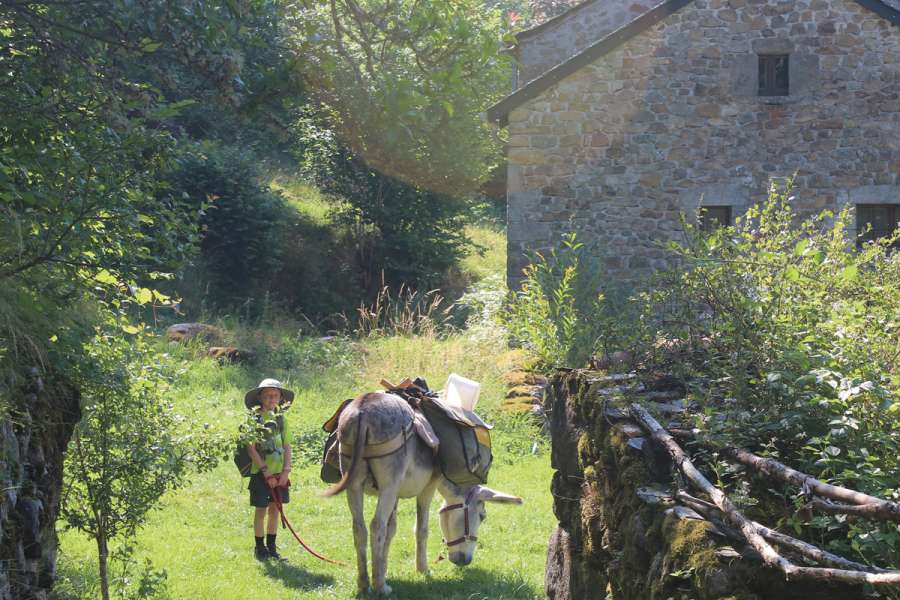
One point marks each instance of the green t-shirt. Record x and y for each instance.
(272, 446)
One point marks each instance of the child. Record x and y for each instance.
(271, 462)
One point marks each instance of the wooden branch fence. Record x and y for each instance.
(729, 520)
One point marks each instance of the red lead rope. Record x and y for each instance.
(285, 523)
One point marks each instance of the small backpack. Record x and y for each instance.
(242, 459)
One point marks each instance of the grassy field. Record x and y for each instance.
(202, 536)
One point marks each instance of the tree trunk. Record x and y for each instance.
(102, 555)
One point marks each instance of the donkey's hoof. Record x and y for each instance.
(385, 590)
(362, 587)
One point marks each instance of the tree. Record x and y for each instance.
(407, 81)
(129, 447)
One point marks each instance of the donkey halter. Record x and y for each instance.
(465, 507)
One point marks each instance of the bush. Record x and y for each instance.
(401, 234)
(242, 224)
(555, 313)
(794, 337)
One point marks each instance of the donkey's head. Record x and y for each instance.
(461, 516)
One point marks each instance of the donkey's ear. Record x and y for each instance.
(489, 495)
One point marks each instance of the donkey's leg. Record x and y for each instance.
(423, 506)
(355, 500)
(391, 530)
(387, 501)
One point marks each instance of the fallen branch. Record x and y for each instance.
(747, 528)
(712, 512)
(869, 511)
(875, 508)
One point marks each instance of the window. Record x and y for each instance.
(713, 217)
(882, 217)
(773, 75)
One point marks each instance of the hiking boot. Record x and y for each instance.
(261, 553)
(274, 555)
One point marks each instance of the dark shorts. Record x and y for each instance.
(261, 494)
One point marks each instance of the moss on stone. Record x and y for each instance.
(520, 390)
(585, 450)
(590, 474)
(520, 377)
(518, 404)
(689, 543)
(633, 475)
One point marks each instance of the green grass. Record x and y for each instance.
(202, 534)
(492, 260)
(305, 198)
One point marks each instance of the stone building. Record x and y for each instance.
(626, 114)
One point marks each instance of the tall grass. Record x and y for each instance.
(404, 312)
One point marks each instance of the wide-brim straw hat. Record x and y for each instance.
(251, 398)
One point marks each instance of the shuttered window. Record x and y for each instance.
(713, 217)
(882, 218)
(774, 77)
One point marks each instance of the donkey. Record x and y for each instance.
(377, 433)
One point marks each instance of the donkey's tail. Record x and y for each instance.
(358, 448)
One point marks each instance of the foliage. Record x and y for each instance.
(129, 448)
(132, 581)
(554, 314)
(406, 82)
(792, 335)
(243, 224)
(482, 304)
(528, 13)
(90, 93)
(400, 233)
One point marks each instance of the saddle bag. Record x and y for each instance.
(331, 467)
(330, 471)
(464, 453)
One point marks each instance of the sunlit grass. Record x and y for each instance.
(202, 534)
(490, 260)
(306, 198)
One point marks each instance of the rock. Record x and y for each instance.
(614, 360)
(28, 515)
(683, 513)
(230, 354)
(615, 414)
(559, 566)
(611, 380)
(656, 496)
(183, 332)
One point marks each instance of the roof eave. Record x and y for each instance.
(499, 112)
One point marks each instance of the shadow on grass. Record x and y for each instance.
(473, 583)
(296, 578)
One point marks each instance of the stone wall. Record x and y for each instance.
(617, 149)
(547, 45)
(36, 426)
(619, 537)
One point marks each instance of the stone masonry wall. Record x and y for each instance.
(33, 436)
(620, 147)
(620, 536)
(572, 32)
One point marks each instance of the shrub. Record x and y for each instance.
(400, 233)
(554, 314)
(799, 329)
(242, 224)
